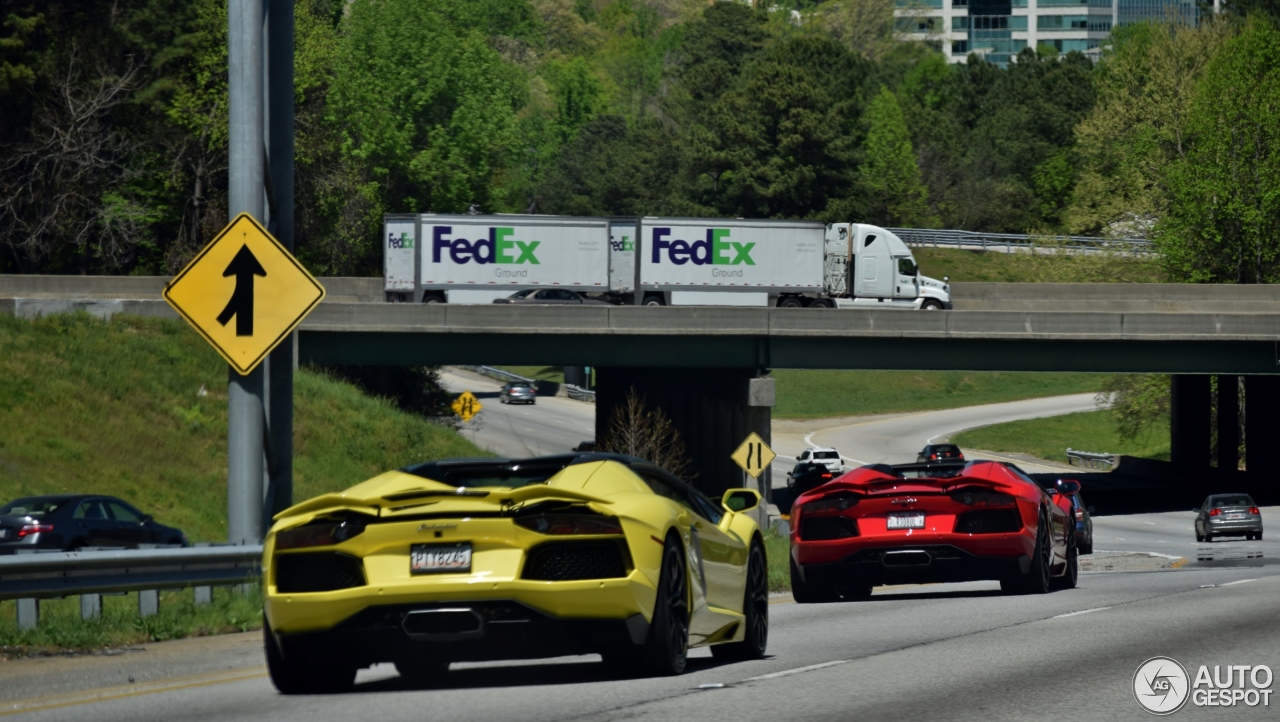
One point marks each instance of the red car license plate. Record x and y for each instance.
(440, 558)
(909, 520)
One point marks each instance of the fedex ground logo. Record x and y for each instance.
(399, 240)
(497, 247)
(715, 249)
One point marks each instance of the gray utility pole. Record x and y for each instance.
(245, 170)
(280, 151)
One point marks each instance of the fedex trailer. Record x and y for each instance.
(434, 258)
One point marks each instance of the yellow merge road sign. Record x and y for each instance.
(467, 405)
(244, 293)
(754, 456)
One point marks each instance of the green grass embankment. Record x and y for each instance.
(1049, 438)
(993, 266)
(116, 408)
(804, 394)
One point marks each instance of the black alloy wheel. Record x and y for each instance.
(807, 592)
(1036, 580)
(667, 650)
(755, 612)
(1071, 575)
(304, 676)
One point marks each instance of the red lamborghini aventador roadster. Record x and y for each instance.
(878, 525)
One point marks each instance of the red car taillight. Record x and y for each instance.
(1215, 512)
(29, 529)
(1079, 514)
(933, 456)
(828, 506)
(828, 476)
(560, 524)
(1254, 510)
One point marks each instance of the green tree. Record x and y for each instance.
(428, 102)
(1146, 80)
(890, 179)
(1223, 217)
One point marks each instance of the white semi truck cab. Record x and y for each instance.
(866, 266)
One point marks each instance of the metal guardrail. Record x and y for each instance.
(90, 574)
(1010, 241)
(499, 374)
(580, 394)
(1090, 460)
(574, 392)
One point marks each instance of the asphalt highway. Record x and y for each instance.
(944, 652)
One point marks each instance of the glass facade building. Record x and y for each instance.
(999, 29)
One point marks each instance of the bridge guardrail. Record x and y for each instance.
(1010, 241)
(1090, 460)
(90, 574)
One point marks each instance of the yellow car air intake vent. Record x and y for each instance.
(317, 572)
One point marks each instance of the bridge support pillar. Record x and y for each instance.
(1189, 429)
(713, 410)
(1261, 423)
(1228, 422)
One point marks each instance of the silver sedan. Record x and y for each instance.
(1228, 515)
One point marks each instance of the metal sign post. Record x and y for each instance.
(245, 422)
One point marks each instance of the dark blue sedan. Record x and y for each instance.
(69, 522)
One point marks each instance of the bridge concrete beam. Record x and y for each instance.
(1189, 430)
(1228, 422)
(712, 409)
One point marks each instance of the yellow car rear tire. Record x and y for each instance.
(305, 676)
(666, 652)
(755, 612)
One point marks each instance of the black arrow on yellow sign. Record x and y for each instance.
(244, 267)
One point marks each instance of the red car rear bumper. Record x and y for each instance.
(917, 558)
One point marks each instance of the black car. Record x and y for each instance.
(940, 452)
(71, 521)
(807, 476)
(549, 297)
(1080, 513)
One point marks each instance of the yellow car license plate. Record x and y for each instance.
(440, 558)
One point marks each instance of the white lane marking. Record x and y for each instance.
(1082, 611)
(1152, 523)
(797, 670)
(1130, 551)
(1238, 581)
(711, 685)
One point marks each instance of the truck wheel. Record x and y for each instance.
(653, 301)
(433, 298)
(790, 302)
(931, 304)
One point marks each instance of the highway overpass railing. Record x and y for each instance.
(1090, 460)
(1007, 242)
(29, 578)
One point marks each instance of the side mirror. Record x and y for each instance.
(1090, 510)
(147, 518)
(1067, 486)
(737, 500)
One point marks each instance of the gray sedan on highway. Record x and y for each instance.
(1228, 515)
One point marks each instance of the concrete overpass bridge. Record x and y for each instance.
(706, 366)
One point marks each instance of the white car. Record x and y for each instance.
(822, 455)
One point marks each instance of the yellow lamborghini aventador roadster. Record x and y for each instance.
(484, 559)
